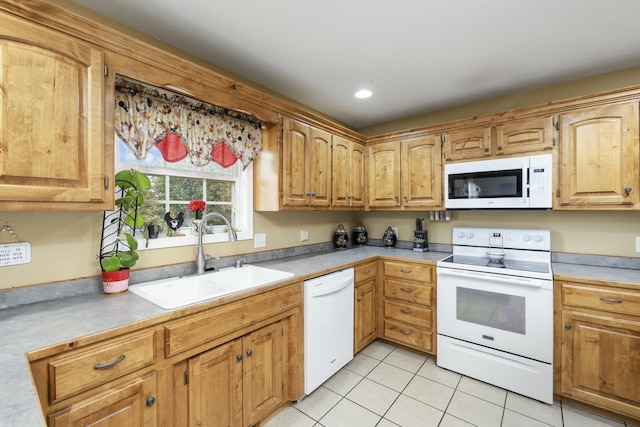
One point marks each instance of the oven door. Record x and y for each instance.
(508, 313)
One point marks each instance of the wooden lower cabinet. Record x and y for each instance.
(599, 355)
(238, 383)
(407, 307)
(132, 404)
(365, 302)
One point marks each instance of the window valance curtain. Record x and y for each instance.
(179, 127)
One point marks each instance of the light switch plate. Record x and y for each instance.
(260, 240)
(395, 230)
(304, 235)
(637, 243)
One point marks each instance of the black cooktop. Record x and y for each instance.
(508, 264)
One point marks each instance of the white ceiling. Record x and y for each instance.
(416, 56)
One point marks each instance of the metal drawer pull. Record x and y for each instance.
(405, 332)
(367, 271)
(405, 271)
(405, 289)
(109, 364)
(617, 301)
(405, 311)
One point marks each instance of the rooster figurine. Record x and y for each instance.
(174, 223)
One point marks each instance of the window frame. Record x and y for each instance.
(243, 207)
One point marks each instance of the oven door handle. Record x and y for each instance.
(512, 280)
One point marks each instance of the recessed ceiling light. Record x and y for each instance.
(364, 93)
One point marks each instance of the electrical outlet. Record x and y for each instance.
(260, 240)
(304, 235)
(637, 243)
(395, 230)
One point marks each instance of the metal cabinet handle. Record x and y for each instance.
(405, 289)
(359, 299)
(367, 271)
(486, 150)
(151, 401)
(405, 311)
(405, 332)
(627, 189)
(313, 194)
(239, 358)
(249, 353)
(615, 301)
(567, 326)
(405, 271)
(499, 147)
(109, 364)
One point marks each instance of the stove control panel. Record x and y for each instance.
(508, 238)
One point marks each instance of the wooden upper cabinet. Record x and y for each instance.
(599, 158)
(524, 136)
(53, 150)
(469, 143)
(421, 172)
(384, 175)
(406, 174)
(306, 165)
(348, 179)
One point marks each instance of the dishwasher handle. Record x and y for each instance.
(328, 285)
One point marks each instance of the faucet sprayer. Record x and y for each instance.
(200, 258)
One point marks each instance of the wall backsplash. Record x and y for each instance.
(64, 245)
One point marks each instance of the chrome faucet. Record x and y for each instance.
(200, 257)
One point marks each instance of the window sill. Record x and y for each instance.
(188, 240)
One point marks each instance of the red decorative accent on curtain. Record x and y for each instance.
(145, 118)
(222, 155)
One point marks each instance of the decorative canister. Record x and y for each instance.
(359, 234)
(340, 237)
(420, 242)
(389, 238)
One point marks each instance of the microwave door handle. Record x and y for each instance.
(525, 183)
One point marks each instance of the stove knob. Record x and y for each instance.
(527, 237)
(538, 238)
(461, 234)
(469, 235)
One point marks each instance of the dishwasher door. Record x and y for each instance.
(328, 326)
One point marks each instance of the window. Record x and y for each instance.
(227, 191)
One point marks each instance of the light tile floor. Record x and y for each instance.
(387, 386)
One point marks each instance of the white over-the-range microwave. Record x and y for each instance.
(506, 183)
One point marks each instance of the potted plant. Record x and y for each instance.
(151, 228)
(118, 245)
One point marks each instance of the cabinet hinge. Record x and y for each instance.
(106, 182)
(106, 71)
(558, 192)
(186, 377)
(442, 139)
(555, 122)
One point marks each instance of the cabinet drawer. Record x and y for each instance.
(365, 272)
(408, 291)
(83, 369)
(408, 313)
(201, 328)
(409, 335)
(621, 301)
(418, 272)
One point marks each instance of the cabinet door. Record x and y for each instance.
(421, 172)
(320, 168)
(465, 144)
(263, 369)
(601, 361)
(215, 386)
(384, 174)
(524, 137)
(129, 405)
(295, 156)
(357, 181)
(53, 152)
(341, 182)
(364, 315)
(599, 157)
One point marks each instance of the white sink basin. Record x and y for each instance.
(181, 291)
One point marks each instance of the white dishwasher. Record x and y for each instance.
(328, 326)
